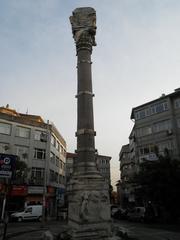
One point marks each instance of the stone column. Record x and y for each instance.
(89, 209)
(84, 39)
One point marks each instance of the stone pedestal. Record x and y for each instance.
(88, 193)
(89, 211)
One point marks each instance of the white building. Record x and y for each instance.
(42, 148)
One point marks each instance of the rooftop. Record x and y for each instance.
(162, 97)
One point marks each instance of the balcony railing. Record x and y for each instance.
(36, 181)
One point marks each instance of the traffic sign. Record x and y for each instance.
(7, 165)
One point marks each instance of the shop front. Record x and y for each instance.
(35, 195)
(16, 198)
(51, 201)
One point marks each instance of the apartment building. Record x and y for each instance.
(103, 165)
(42, 148)
(156, 128)
(127, 170)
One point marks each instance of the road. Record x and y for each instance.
(31, 230)
(34, 230)
(148, 231)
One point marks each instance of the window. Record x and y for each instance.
(165, 145)
(40, 136)
(52, 157)
(143, 131)
(58, 146)
(63, 165)
(147, 149)
(56, 177)
(38, 173)
(53, 140)
(5, 128)
(37, 135)
(159, 107)
(153, 109)
(162, 126)
(178, 122)
(52, 175)
(69, 161)
(64, 152)
(39, 153)
(61, 148)
(57, 161)
(22, 132)
(60, 178)
(4, 147)
(22, 152)
(28, 210)
(63, 179)
(177, 103)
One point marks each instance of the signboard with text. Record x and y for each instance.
(19, 190)
(7, 165)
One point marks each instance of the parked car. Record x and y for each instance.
(120, 214)
(136, 214)
(32, 212)
(114, 209)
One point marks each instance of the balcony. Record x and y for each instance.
(36, 181)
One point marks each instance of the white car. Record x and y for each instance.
(32, 212)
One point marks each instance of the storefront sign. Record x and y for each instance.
(35, 190)
(7, 165)
(19, 190)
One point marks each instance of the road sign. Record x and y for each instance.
(7, 165)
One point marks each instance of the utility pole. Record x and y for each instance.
(44, 213)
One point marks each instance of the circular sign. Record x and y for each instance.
(7, 160)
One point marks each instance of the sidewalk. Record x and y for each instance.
(35, 232)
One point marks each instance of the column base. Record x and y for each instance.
(89, 208)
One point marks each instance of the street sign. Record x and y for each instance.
(7, 165)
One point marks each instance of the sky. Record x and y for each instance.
(136, 60)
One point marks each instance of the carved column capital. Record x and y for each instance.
(83, 23)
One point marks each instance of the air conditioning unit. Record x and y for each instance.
(169, 132)
(43, 137)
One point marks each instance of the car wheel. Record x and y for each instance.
(19, 219)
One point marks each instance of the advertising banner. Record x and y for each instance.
(7, 165)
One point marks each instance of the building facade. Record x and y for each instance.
(43, 149)
(127, 169)
(102, 162)
(156, 129)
